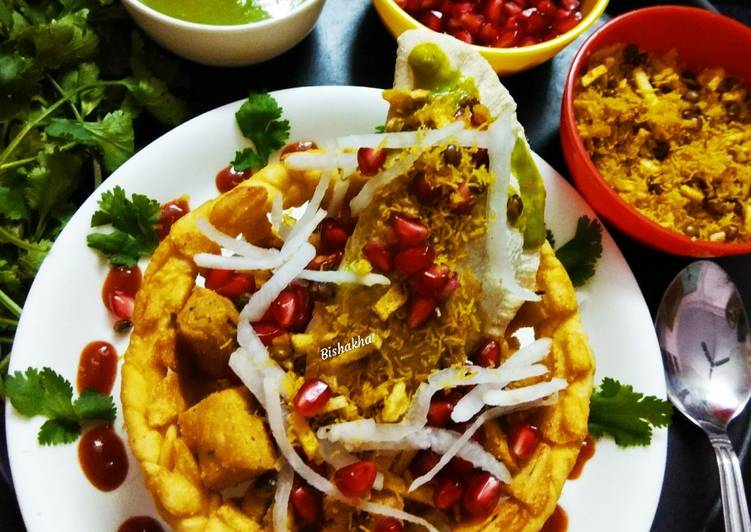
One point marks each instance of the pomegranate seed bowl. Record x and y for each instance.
(512, 35)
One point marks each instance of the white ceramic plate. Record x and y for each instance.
(618, 490)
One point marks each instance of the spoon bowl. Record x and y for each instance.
(702, 327)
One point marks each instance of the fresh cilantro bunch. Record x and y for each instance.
(580, 254)
(74, 76)
(46, 393)
(259, 119)
(626, 415)
(134, 235)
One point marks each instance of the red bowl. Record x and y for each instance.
(702, 39)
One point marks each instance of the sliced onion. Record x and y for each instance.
(233, 244)
(261, 300)
(457, 445)
(325, 162)
(403, 139)
(517, 396)
(344, 277)
(281, 498)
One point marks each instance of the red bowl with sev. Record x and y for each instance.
(702, 39)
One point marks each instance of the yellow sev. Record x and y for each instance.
(674, 143)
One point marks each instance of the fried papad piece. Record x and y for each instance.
(170, 404)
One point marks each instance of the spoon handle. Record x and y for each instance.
(734, 505)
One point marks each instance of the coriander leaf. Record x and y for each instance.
(12, 204)
(153, 94)
(24, 392)
(94, 405)
(579, 255)
(62, 41)
(46, 393)
(30, 260)
(133, 220)
(247, 158)
(628, 416)
(19, 76)
(84, 74)
(58, 431)
(52, 181)
(259, 120)
(113, 135)
(380, 129)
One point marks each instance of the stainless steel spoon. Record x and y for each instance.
(705, 341)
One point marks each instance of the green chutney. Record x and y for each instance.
(217, 12)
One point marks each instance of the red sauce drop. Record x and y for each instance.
(171, 212)
(557, 522)
(122, 279)
(97, 368)
(141, 523)
(303, 145)
(102, 455)
(586, 452)
(228, 178)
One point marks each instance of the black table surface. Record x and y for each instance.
(350, 46)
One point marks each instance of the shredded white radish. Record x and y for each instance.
(337, 196)
(457, 445)
(281, 498)
(300, 233)
(235, 245)
(236, 262)
(242, 364)
(344, 277)
(401, 139)
(323, 161)
(529, 354)
(521, 395)
(366, 194)
(277, 213)
(261, 300)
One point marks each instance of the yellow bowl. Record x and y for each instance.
(505, 61)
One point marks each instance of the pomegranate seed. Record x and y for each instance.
(510, 9)
(452, 283)
(462, 35)
(413, 259)
(494, 11)
(429, 282)
(217, 278)
(312, 397)
(388, 524)
(424, 191)
(462, 200)
(439, 412)
(566, 24)
(482, 494)
(432, 19)
(532, 20)
(238, 285)
(423, 462)
(370, 160)
(458, 9)
(408, 232)
(448, 491)
(304, 307)
(379, 255)
(307, 504)
(284, 309)
(121, 304)
(521, 3)
(460, 466)
(472, 22)
(571, 4)
(420, 311)
(524, 441)
(489, 34)
(546, 8)
(487, 354)
(333, 234)
(267, 331)
(508, 39)
(529, 41)
(429, 4)
(355, 480)
(303, 145)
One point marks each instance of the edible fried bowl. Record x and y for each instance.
(403, 353)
